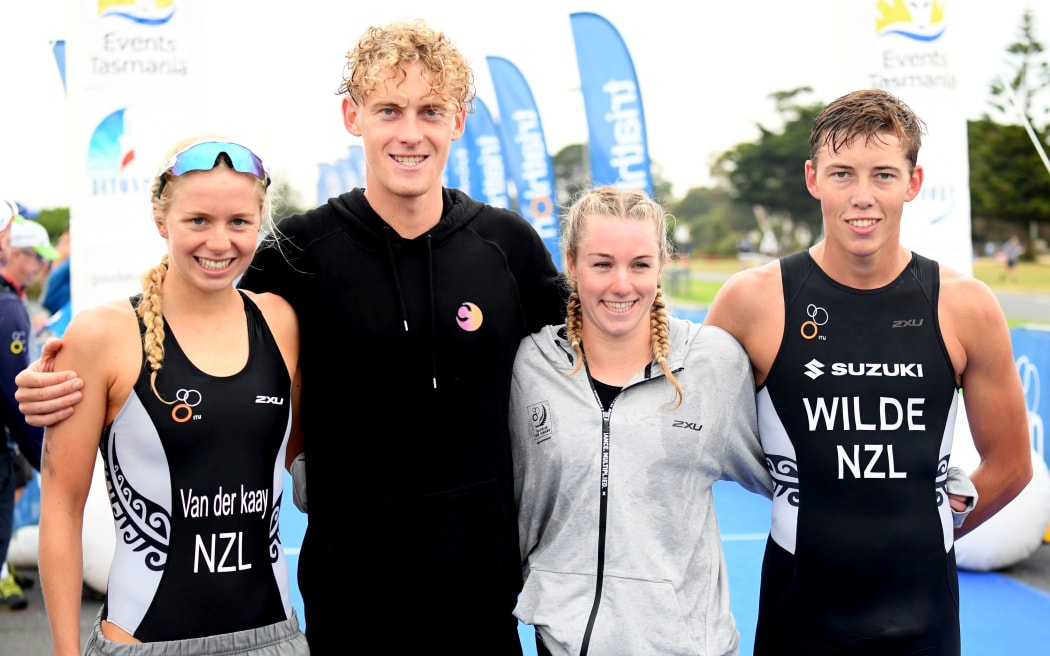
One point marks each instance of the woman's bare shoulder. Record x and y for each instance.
(100, 327)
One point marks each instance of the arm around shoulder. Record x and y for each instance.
(750, 307)
(46, 396)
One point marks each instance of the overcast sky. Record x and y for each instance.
(705, 72)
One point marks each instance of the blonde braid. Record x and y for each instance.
(660, 345)
(573, 321)
(150, 311)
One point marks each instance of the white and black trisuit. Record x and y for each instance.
(856, 418)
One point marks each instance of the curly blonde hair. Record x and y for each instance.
(397, 46)
(150, 309)
(631, 204)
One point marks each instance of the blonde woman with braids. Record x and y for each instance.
(187, 395)
(621, 421)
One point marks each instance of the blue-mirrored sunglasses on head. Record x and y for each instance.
(205, 155)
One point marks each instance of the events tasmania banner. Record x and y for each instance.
(129, 79)
(618, 147)
(911, 50)
(525, 152)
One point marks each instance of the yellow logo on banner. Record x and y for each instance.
(156, 12)
(918, 20)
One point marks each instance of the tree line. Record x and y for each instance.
(759, 185)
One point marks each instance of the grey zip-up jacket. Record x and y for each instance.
(620, 546)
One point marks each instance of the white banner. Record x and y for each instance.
(910, 49)
(129, 75)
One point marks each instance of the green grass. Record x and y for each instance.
(1029, 277)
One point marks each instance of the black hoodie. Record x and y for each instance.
(407, 349)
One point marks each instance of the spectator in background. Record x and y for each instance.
(1012, 251)
(56, 289)
(24, 247)
(56, 299)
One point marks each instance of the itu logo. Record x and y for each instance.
(540, 418)
(919, 20)
(141, 12)
(19, 339)
(818, 316)
(186, 401)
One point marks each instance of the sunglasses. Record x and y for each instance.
(204, 156)
(29, 252)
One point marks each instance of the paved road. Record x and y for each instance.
(26, 632)
(1025, 307)
(1017, 306)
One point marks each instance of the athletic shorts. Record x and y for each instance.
(280, 639)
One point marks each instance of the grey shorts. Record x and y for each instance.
(280, 639)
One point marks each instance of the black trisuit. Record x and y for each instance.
(195, 487)
(856, 417)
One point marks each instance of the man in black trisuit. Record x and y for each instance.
(862, 350)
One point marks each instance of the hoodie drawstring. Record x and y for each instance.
(433, 312)
(401, 297)
(397, 281)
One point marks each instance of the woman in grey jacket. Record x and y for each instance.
(622, 420)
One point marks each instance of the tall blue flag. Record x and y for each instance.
(353, 167)
(618, 146)
(58, 48)
(525, 152)
(329, 183)
(457, 168)
(488, 173)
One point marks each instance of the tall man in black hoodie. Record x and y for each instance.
(412, 300)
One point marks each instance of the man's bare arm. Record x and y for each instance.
(978, 338)
(46, 396)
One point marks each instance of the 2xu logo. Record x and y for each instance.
(272, 400)
(907, 323)
(680, 423)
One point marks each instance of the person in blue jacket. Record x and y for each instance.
(24, 247)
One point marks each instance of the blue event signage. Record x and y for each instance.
(618, 146)
(475, 161)
(525, 152)
(488, 174)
